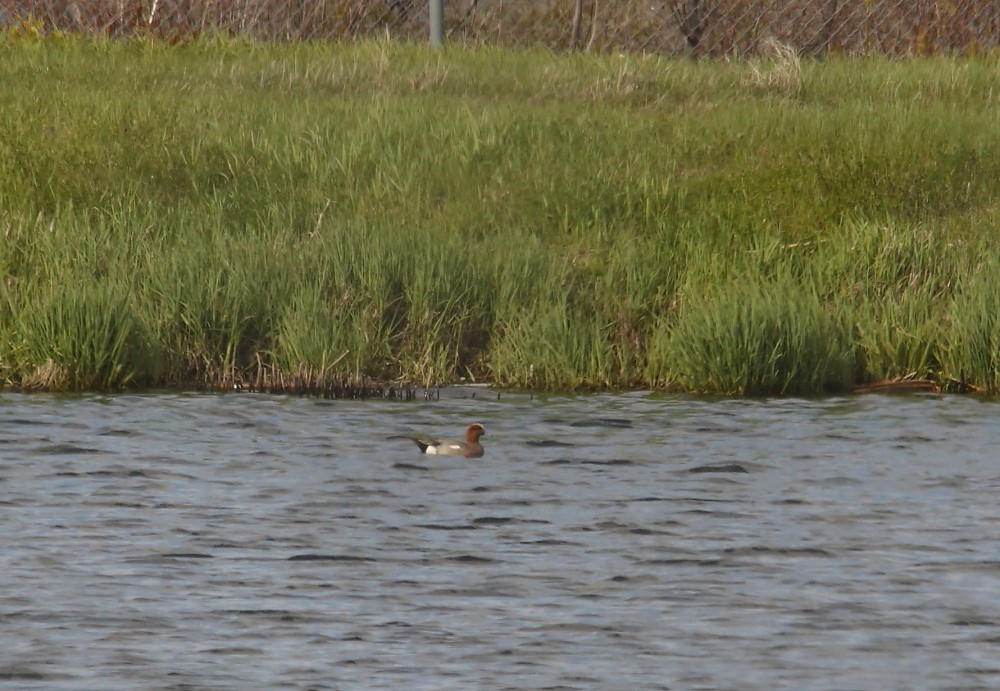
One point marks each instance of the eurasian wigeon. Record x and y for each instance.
(469, 447)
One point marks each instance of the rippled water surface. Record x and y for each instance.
(604, 542)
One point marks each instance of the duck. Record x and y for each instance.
(468, 447)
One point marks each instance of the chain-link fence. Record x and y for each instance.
(676, 27)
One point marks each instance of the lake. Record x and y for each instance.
(175, 541)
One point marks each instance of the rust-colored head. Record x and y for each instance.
(473, 432)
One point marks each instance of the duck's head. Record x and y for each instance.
(473, 432)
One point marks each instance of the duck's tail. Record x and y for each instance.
(422, 443)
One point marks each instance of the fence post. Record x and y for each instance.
(437, 22)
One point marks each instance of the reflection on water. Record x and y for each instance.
(626, 541)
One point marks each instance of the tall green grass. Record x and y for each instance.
(182, 216)
(772, 338)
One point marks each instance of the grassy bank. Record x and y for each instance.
(190, 214)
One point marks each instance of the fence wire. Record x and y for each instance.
(673, 27)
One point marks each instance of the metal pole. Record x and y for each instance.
(437, 22)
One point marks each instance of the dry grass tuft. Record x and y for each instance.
(48, 376)
(777, 68)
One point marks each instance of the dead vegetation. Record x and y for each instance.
(723, 28)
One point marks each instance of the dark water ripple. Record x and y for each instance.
(604, 542)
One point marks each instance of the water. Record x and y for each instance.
(242, 541)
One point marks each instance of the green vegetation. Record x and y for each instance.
(187, 215)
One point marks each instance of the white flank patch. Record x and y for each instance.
(443, 449)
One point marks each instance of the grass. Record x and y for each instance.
(187, 215)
